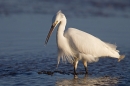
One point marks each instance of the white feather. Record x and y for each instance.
(75, 44)
(89, 46)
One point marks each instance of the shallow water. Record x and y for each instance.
(25, 61)
(23, 54)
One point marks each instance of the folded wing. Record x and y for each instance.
(86, 43)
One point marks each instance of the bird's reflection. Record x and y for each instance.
(88, 81)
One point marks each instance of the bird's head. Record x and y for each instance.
(57, 18)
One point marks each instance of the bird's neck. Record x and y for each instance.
(60, 33)
(61, 28)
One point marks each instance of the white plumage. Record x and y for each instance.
(88, 45)
(74, 45)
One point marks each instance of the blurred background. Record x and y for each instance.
(77, 8)
(24, 25)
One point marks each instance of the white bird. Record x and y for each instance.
(74, 45)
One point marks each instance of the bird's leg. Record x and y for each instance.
(75, 63)
(85, 66)
(75, 71)
(86, 70)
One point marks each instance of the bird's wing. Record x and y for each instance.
(87, 44)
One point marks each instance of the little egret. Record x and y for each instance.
(74, 45)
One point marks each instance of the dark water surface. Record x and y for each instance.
(25, 61)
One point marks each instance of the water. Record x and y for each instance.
(25, 61)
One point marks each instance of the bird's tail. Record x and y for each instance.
(121, 57)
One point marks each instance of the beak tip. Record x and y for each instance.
(45, 44)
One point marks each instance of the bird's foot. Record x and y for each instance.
(75, 76)
(86, 72)
(121, 57)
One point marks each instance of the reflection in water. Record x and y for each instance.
(88, 81)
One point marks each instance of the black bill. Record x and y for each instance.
(49, 34)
